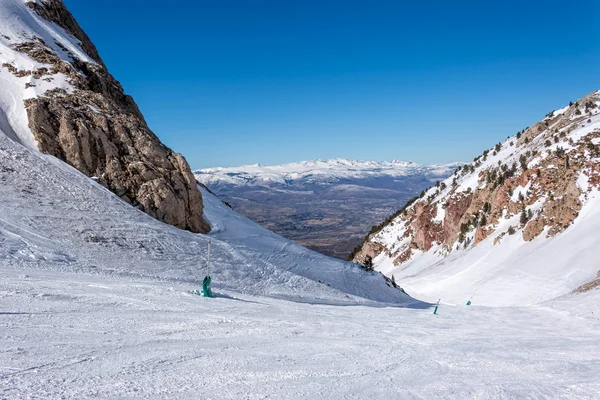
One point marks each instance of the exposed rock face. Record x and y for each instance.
(372, 250)
(55, 11)
(99, 130)
(535, 181)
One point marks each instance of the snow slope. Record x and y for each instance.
(515, 272)
(53, 217)
(95, 303)
(506, 269)
(318, 171)
(75, 336)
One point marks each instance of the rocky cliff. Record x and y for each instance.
(77, 112)
(531, 186)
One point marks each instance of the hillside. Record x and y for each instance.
(517, 224)
(54, 218)
(327, 206)
(57, 96)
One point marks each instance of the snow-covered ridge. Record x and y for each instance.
(19, 77)
(57, 96)
(516, 224)
(318, 170)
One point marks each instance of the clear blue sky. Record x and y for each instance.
(239, 82)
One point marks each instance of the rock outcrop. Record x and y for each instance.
(98, 129)
(534, 183)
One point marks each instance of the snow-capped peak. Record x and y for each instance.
(318, 170)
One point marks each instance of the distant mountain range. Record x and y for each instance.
(319, 172)
(326, 205)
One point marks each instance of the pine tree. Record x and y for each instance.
(523, 219)
(368, 263)
(483, 221)
(486, 207)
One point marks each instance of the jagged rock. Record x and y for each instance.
(533, 228)
(588, 286)
(403, 257)
(55, 11)
(481, 234)
(99, 130)
(369, 250)
(427, 230)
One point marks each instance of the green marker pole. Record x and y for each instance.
(436, 306)
(207, 279)
(471, 298)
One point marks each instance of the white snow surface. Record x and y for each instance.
(95, 295)
(317, 171)
(78, 336)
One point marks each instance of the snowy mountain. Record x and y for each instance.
(518, 224)
(57, 96)
(96, 293)
(327, 206)
(318, 172)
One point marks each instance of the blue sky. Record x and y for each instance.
(241, 82)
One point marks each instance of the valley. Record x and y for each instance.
(328, 206)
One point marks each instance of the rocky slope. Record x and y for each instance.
(529, 189)
(59, 98)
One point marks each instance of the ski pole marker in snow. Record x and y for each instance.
(207, 279)
(208, 261)
(436, 306)
(471, 298)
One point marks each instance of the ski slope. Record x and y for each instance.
(75, 336)
(95, 296)
(53, 217)
(95, 302)
(515, 273)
